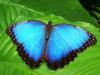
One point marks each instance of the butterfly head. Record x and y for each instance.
(49, 26)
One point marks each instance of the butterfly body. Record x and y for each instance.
(48, 30)
(56, 45)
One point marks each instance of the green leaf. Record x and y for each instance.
(68, 9)
(87, 63)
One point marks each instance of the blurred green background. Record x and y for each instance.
(59, 11)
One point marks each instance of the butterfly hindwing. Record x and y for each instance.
(64, 43)
(30, 39)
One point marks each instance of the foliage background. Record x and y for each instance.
(59, 11)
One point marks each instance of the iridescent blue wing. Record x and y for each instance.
(65, 42)
(29, 37)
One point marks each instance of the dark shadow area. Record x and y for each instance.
(93, 7)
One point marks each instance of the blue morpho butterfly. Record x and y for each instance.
(57, 45)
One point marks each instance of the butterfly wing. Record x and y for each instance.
(64, 44)
(30, 39)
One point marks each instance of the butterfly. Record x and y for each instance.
(56, 45)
